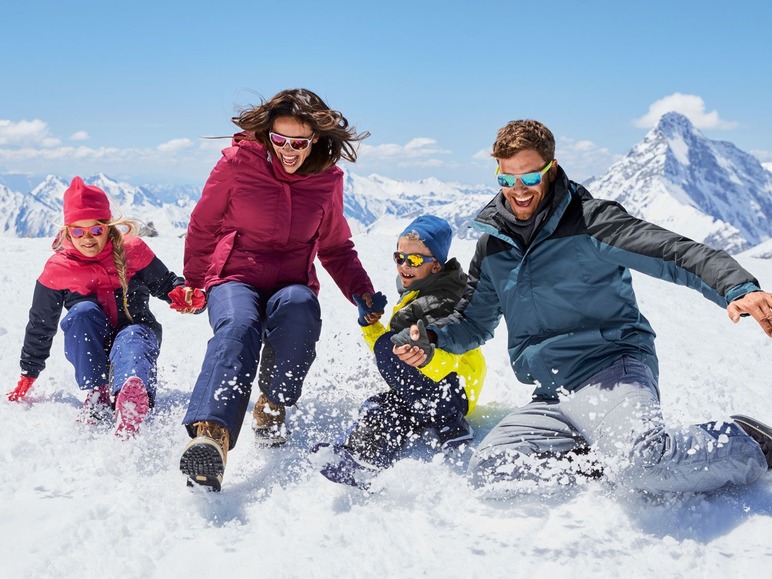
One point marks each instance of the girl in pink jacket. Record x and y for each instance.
(271, 205)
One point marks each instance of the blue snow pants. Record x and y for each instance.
(617, 413)
(100, 355)
(286, 325)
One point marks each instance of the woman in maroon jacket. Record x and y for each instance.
(271, 205)
(103, 279)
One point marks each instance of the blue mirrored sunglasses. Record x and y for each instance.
(527, 179)
(412, 259)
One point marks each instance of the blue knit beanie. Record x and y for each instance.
(435, 233)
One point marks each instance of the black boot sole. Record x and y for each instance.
(202, 463)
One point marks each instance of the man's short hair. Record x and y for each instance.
(524, 134)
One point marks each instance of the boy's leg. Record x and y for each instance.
(430, 403)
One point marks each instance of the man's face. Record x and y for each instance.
(522, 199)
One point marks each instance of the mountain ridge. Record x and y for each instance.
(707, 190)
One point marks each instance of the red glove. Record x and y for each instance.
(25, 383)
(187, 300)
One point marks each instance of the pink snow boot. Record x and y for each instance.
(131, 406)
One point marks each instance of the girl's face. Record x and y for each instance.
(83, 235)
(407, 274)
(289, 131)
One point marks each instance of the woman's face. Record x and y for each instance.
(88, 244)
(290, 128)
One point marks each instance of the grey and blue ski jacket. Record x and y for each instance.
(567, 297)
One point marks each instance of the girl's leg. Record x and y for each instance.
(86, 335)
(135, 353)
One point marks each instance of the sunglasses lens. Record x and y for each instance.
(299, 144)
(77, 232)
(531, 179)
(97, 230)
(277, 140)
(414, 260)
(507, 180)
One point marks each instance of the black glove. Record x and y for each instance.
(403, 339)
(379, 303)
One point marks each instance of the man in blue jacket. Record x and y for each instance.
(556, 264)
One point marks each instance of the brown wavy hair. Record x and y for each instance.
(336, 138)
(116, 229)
(517, 136)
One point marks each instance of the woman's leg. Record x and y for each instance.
(221, 393)
(293, 325)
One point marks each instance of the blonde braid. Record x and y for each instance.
(119, 256)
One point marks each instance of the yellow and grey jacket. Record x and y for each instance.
(431, 299)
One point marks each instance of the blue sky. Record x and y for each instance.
(130, 88)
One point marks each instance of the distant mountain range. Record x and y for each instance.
(707, 190)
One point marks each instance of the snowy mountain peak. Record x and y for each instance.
(707, 190)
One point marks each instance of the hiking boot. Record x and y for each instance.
(759, 432)
(97, 408)
(131, 407)
(455, 434)
(203, 460)
(268, 423)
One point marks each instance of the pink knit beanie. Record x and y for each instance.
(85, 202)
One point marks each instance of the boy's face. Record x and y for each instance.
(408, 274)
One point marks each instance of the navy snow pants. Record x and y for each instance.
(286, 325)
(99, 356)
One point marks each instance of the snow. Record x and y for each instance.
(79, 502)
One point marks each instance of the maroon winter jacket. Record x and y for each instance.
(257, 224)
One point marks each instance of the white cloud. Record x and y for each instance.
(583, 159)
(175, 145)
(689, 105)
(410, 152)
(80, 136)
(483, 155)
(26, 133)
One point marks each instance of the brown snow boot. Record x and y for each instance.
(203, 460)
(268, 424)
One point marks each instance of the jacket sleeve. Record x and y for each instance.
(43, 319)
(371, 334)
(478, 312)
(206, 222)
(336, 250)
(159, 280)
(622, 239)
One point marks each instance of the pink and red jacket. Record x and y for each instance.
(257, 224)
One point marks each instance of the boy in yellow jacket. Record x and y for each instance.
(438, 395)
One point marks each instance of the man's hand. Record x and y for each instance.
(756, 304)
(412, 345)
